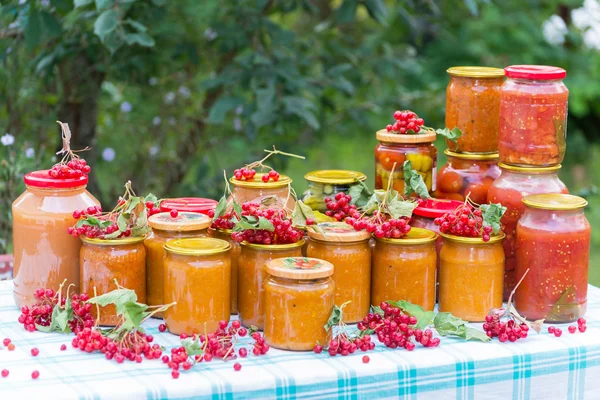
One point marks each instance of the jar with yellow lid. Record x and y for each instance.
(473, 106)
(471, 276)
(198, 280)
(553, 250)
(164, 228)
(255, 190)
(405, 269)
(102, 261)
(234, 254)
(328, 183)
(299, 298)
(349, 251)
(467, 174)
(252, 275)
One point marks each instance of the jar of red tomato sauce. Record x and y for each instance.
(533, 116)
(189, 204)
(509, 189)
(553, 250)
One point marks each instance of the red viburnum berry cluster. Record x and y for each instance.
(504, 331)
(381, 227)
(340, 208)
(581, 327)
(132, 346)
(344, 345)
(284, 232)
(75, 168)
(244, 173)
(224, 222)
(465, 221)
(405, 122)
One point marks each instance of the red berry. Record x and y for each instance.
(366, 359)
(149, 205)
(557, 332)
(572, 329)
(35, 351)
(318, 349)
(63, 347)
(237, 366)
(174, 213)
(11, 346)
(581, 321)
(582, 328)
(162, 328)
(35, 374)
(6, 341)
(551, 329)
(175, 374)
(243, 352)
(5, 373)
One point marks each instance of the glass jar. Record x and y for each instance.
(509, 189)
(553, 244)
(396, 148)
(189, 204)
(471, 174)
(299, 298)
(198, 280)
(44, 253)
(404, 269)
(350, 253)
(104, 261)
(472, 104)
(256, 190)
(251, 277)
(533, 116)
(328, 183)
(471, 275)
(164, 228)
(234, 254)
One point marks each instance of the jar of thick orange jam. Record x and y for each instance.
(256, 190)
(299, 298)
(350, 253)
(198, 279)
(164, 228)
(471, 276)
(252, 274)
(104, 261)
(404, 269)
(234, 254)
(44, 253)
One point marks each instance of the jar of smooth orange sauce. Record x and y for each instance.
(44, 253)
(164, 228)
(234, 253)
(350, 253)
(105, 260)
(471, 276)
(252, 274)
(299, 298)
(198, 279)
(405, 269)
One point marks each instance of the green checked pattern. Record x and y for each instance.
(539, 367)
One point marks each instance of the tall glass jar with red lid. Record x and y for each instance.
(533, 116)
(44, 253)
(189, 204)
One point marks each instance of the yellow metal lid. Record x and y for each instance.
(476, 72)
(197, 246)
(472, 156)
(472, 240)
(300, 268)
(426, 137)
(257, 182)
(184, 222)
(414, 236)
(555, 201)
(337, 232)
(335, 176)
(275, 247)
(114, 242)
(530, 170)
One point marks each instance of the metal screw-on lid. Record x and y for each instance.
(303, 268)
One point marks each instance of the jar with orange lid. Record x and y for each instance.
(252, 274)
(198, 280)
(255, 190)
(349, 251)
(404, 269)
(299, 298)
(467, 174)
(472, 105)
(44, 253)
(164, 228)
(234, 254)
(104, 261)
(327, 183)
(189, 204)
(471, 276)
(397, 148)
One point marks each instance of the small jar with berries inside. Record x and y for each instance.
(326, 185)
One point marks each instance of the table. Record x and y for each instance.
(539, 367)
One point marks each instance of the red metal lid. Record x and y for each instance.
(535, 72)
(189, 204)
(41, 179)
(434, 208)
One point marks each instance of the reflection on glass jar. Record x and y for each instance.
(256, 191)
(234, 253)
(328, 183)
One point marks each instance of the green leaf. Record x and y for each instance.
(451, 135)
(50, 24)
(265, 224)
(118, 297)
(237, 208)
(33, 30)
(62, 316)
(492, 214)
(424, 318)
(122, 223)
(472, 6)
(150, 197)
(81, 3)
(159, 2)
(346, 12)
(141, 226)
(102, 4)
(253, 223)
(334, 318)
(413, 182)
(301, 213)
(133, 314)
(374, 201)
(377, 310)
(447, 324)
(565, 305)
(192, 346)
(360, 194)
(221, 207)
(141, 38)
(400, 208)
(136, 25)
(377, 10)
(133, 203)
(106, 23)
(302, 108)
(113, 41)
(113, 235)
(219, 110)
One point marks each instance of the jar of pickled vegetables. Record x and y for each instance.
(397, 148)
(464, 174)
(256, 190)
(198, 280)
(553, 245)
(533, 116)
(252, 274)
(404, 269)
(44, 253)
(328, 183)
(509, 189)
(164, 228)
(299, 298)
(234, 254)
(349, 251)
(189, 204)
(472, 104)
(104, 261)
(471, 276)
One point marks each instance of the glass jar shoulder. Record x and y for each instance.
(553, 222)
(34, 202)
(294, 286)
(527, 88)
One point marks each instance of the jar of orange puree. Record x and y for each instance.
(299, 298)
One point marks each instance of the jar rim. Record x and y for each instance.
(184, 222)
(534, 170)
(110, 242)
(475, 72)
(384, 136)
(257, 182)
(471, 240)
(335, 176)
(472, 156)
(414, 236)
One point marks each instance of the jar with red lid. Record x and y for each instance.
(189, 204)
(44, 253)
(533, 116)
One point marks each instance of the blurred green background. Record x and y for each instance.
(170, 93)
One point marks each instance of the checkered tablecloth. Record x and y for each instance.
(539, 367)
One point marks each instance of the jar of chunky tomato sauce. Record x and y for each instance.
(533, 116)
(44, 253)
(324, 184)
(189, 204)
(234, 254)
(509, 189)
(299, 298)
(553, 245)
(255, 190)
(198, 280)
(472, 105)
(350, 253)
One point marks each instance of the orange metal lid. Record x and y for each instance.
(184, 222)
(303, 268)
